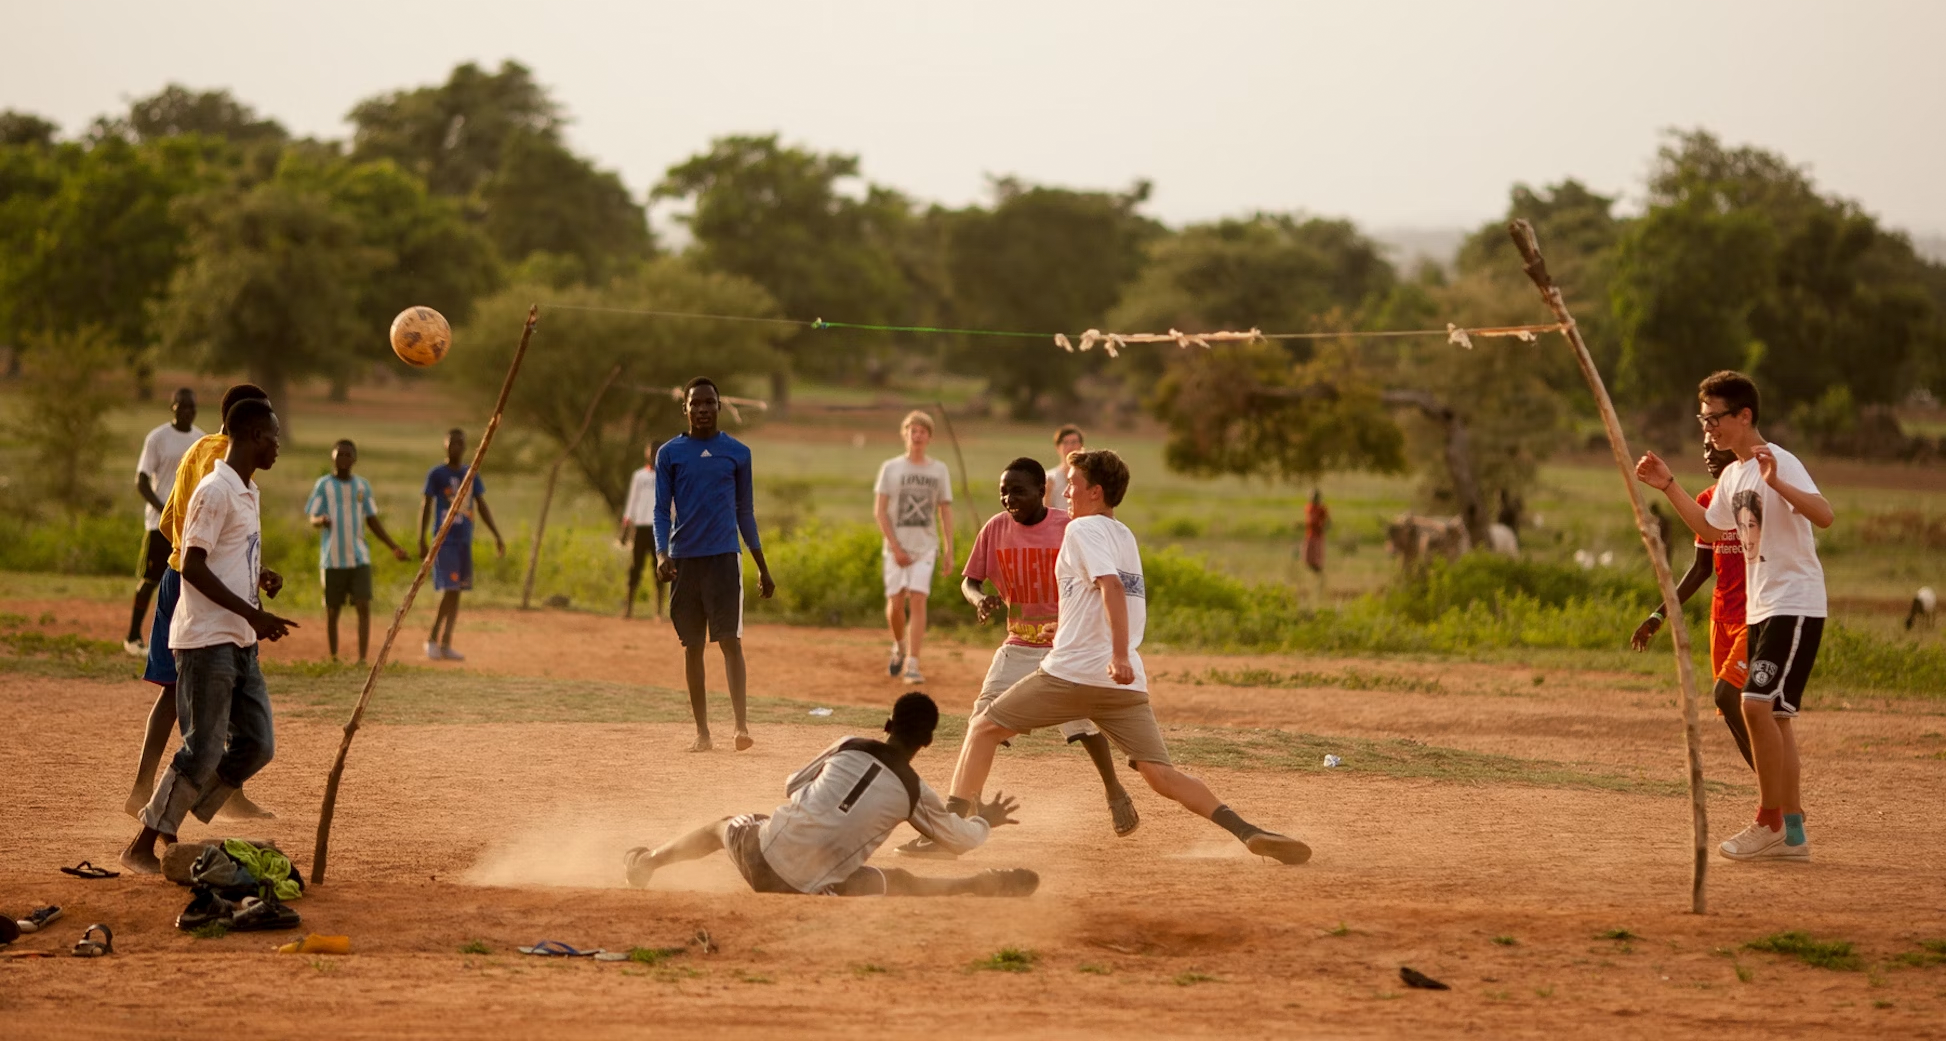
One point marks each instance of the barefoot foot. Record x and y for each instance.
(239, 808)
(140, 856)
(701, 744)
(743, 740)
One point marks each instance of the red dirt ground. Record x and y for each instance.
(510, 833)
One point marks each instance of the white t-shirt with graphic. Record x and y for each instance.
(223, 521)
(1091, 548)
(916, 491)
(162, 451)
(1782, 575)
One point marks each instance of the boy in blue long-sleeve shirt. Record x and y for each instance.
(705, 476)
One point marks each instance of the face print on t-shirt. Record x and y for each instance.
(1749, 507)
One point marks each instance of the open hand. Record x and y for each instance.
(1645, 632)
(1766, 463)
(1652, 471)
(1000, 811)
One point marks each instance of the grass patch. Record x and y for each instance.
(652, 955)
(1341, 930)
(751, 977)
(475, 947)
(1190, 979)
(1823, 954)
(868, 969)
(210, 931)
(1506, 941)
(1008, 959)
(1093, 970)
(1350, 679)
(1617, 934)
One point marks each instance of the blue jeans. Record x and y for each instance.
(223, 709)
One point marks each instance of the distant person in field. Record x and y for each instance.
(1093, 671)
(638, 532)
(1729, 647)
(155, 475)
(843, 805)
(914, 508)
(1067, 441)
(341, 508)
(197, 463)
(227, 734)
(703, 502)
(1317, 521)
(1768, 500)
(1017, 550)
(452, 572)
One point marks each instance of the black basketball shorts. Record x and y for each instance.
(1783, 648)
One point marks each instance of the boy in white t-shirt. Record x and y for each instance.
(1769, 501)
(155, 474)
(915, 515)
(1103, 609)
(222, 705)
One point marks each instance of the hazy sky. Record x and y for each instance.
(1394, 114)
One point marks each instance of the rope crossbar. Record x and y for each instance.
(1113, 343)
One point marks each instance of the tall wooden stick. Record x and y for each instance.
(553, 473)
(1536, 268)
(320, 851)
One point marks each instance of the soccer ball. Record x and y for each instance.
(421, 337)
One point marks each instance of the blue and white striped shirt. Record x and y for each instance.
(347, 503)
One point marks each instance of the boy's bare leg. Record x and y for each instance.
(238, 807)
(1793, 791)
(1767, 748)
(1729, 702)
(895, 617)
(1119, 803)
(331, 628)
(915, 626)
(1002, 882)
(692, 669)
(735, 674)
(642, 862)
(983, 737)
(364, 631)
(452, 617)
(155, 738)
(143, 594)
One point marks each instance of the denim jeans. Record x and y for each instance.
(223, 709)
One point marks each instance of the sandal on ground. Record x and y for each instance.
(1126, 819)
(89, 946)
(253, 915)
(205, 908)
(86, 869)
(39, 919)
(557, 949)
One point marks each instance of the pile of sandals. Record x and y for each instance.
(95, 942)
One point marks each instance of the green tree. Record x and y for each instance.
(453, 136)
(573, 350)
(1041, 259)
(272, 284)
(25, 128)
(545, 199)
(176, 110)
(791, 221)
(1579, 233)
(68, 388)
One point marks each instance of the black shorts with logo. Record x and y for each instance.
(1783, 648)
(708, 598)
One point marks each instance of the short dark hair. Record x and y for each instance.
(914, 717)
(240, 392)
(247, 417)
(1105, 470)
(1737, 391)
(184, 392)
(700, 381)
(1066, 429)
(456, 432)
(1031, 467)
(345, 442)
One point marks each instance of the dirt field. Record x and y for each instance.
(508, 833)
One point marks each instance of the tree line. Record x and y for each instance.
(195, 230)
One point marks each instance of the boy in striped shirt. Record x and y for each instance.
(341, 508)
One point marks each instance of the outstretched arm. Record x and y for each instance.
(1699, 572)
(1652, 471)
(1114, 601)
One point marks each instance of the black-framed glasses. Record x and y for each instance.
(1710, 419)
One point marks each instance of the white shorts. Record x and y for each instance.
(1013, 663)
(916, 577)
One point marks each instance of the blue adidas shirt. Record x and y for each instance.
(707, 481)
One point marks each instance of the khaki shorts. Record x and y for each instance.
(1124, 715)
(1013, 663)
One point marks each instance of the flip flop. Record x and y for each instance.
(1126, 819)
(557, 949)
(39, 919)
(88, 870)
(89, 947)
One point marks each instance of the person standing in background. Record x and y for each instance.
(1067, 441)
(155, 477)
(638, 531)
(1317, 521)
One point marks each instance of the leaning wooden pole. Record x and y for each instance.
(1536, 267)
(320, 851)
(553, 474)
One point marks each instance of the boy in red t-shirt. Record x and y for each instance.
(1016, 550)
(1729, 650)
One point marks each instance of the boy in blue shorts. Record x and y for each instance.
(452, 573)
(341, 508)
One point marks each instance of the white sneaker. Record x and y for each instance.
(432, 651)
(893, 666)
(912, 676)
(134, 649)
(451, 655)
(1754, 843)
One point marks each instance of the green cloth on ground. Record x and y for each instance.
(267, 866)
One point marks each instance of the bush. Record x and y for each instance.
(1493, 580)
(85, 545)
